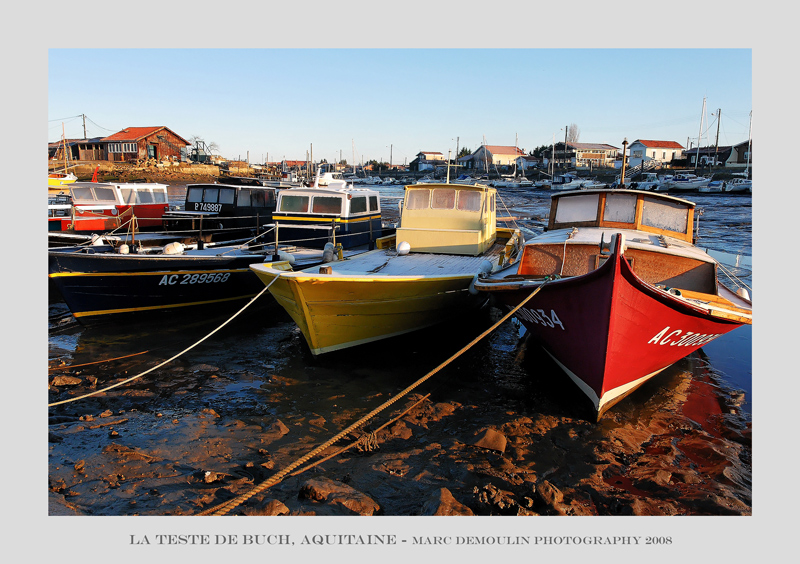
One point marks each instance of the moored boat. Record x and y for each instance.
(329, 211)
(684, 182)
(614, 315)
(739, 185)
(419, 277)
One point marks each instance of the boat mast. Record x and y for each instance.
(700, 136)
(749, 145)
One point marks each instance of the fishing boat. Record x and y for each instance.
(105, 282)
(420, 276)
(237, 203)
(713, 186)
(621, 290)
(330, 211)
(104, 206)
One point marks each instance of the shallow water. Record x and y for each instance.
(257, 375)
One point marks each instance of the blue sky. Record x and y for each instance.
(386, 103)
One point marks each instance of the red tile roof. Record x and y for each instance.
(136, 133)
(660, 144)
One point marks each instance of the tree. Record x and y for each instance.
(463, 152)
(573, 133)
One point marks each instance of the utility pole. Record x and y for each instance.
(84, 126)
(624, 161)
(566, 131)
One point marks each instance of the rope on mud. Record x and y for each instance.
(63, 367)
(367, 441)
(225, 507)
(132, 378)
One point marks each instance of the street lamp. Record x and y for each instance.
(624, 161)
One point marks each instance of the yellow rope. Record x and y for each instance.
(71, 366)
(224, 508)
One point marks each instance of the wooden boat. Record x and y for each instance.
(102, 206)
(613, 316)
(416, 278)
(236, 203)
(106, 282)
(329, 211)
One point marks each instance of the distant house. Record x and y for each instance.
(487, 156)
(526, 162)
(78, 150)
(649, 150)
(427, 160)
(592, 154)
(739, 154)
(143, 143)
(716, 156)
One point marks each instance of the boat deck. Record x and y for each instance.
(388, 263)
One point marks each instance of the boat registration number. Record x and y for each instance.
(680, 338)
(204, 278)
(201, 206)
(540, 317)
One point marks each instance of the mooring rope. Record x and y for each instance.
(131, 379)
(71, 366)
(225, 507)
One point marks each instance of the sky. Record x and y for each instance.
(389, 104)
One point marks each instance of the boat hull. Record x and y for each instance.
(337, 312)
(610, 331)
(98, 287)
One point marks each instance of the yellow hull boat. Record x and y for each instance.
(395, 290)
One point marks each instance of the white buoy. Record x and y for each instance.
(123, 249)
(286, 256)
(743, 293)
(403, 248)
(174, 248)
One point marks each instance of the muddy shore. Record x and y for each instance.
(499, 432)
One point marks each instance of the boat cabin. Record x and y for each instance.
(623, 209)
(146, 201)
(456, 219)
(235, 204)
(329, 211)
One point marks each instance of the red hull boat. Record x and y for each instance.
(613, 316)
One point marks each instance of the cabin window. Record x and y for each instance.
(358, 205)
(144, 197)
(620, 208)
(294, 203)
(243, 201)
(128, 195)
(160, 196)
(195, 194)
(443, 199)
(327, 204)
(577, 208)
(105, 194)
(469, 201)
(672, 216)
(257, 199)
(418, 199)
(226, 195)
(81, 193)
(373, 204)
(210, 195)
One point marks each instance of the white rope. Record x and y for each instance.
(174, 357)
